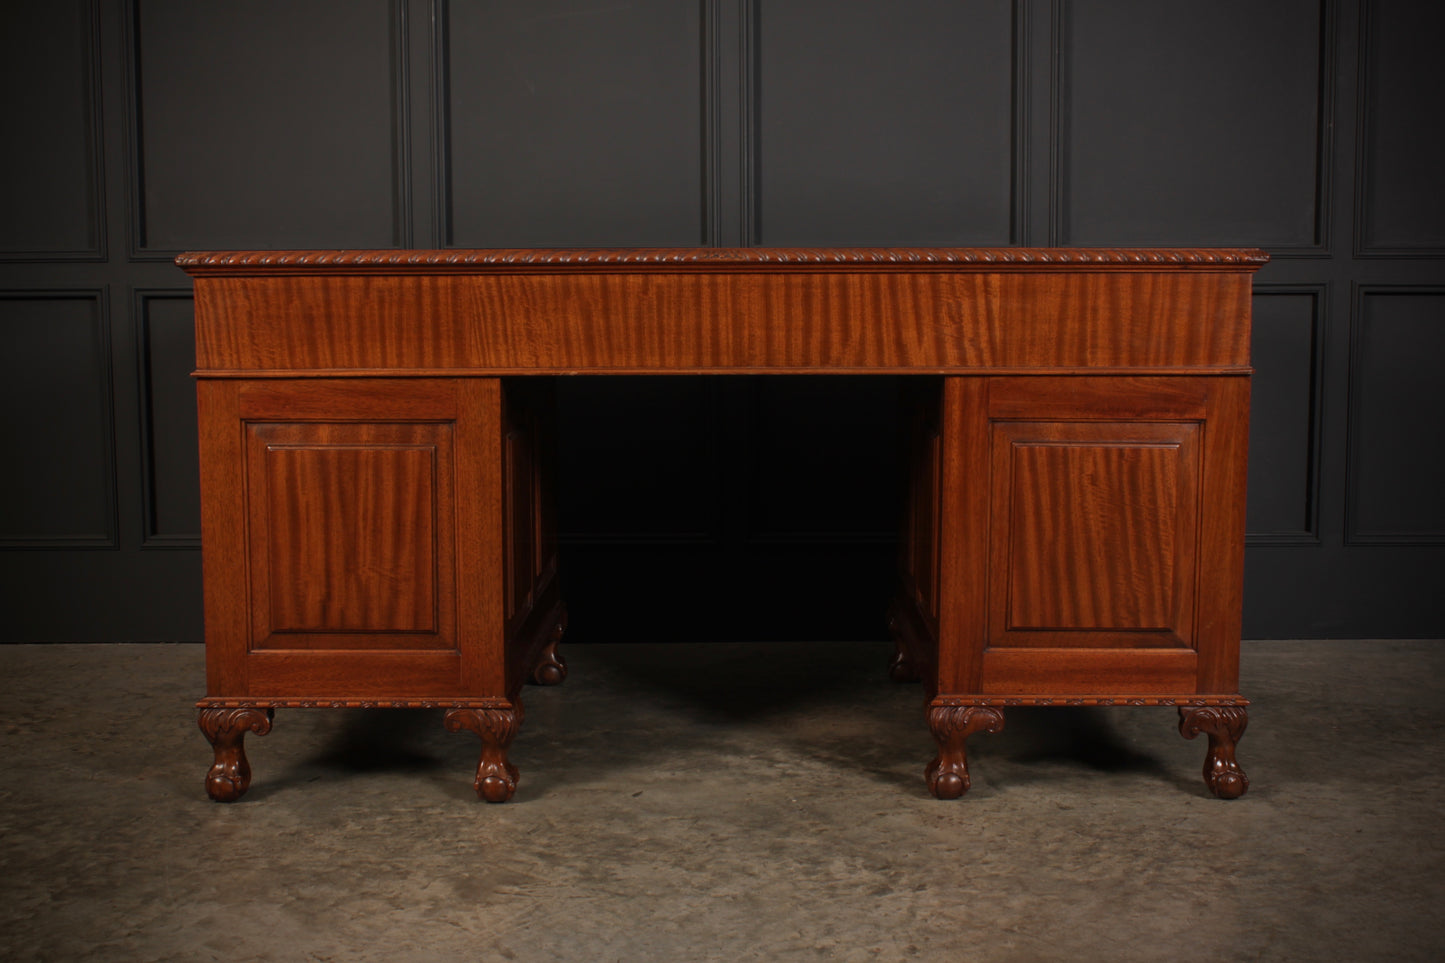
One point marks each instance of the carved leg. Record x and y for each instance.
(496, 777)
(1224, 725)
(551, 668)
(947, 774)
(230, 774)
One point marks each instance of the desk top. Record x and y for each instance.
(722, 310)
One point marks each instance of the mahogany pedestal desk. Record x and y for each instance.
(377, 525)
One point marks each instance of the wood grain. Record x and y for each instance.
(1093, 536)
(798, 319)
(376, 496)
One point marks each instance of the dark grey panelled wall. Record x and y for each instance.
(741, 507)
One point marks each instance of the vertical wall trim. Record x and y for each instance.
(1056, 122)
(401, 211)
(442, 121)
(1022, 102)
(750, 110)
(712, 111)
(1325, 126)
(135, 151)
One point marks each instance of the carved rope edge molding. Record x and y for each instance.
(526, 257)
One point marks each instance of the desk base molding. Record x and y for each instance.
(1089, 700)
(261, 703)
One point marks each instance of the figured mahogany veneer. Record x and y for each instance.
(377, 519)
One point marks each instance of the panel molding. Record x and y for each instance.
(107, 539)
(151, 537)
(401, 67)
(1324, 98)
(1021, 93)
(1310, 536)
(750, 112)
(1363, 72)
(1031, 602)
(1354, 536)
(713, 91)
(95, 160)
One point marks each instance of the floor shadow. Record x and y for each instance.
(373, 740)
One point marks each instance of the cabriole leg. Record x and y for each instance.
(230, 774)
(947, 774)
(496, 777)
(1224, 725)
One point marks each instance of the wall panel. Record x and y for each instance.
(271, 124)
(1191, 124)
(1400, 192)
(58, 486)
(50, 201)
(1397, 407)
(572, 125)
(885, 124)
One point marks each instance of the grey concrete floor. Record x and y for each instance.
(724, 802)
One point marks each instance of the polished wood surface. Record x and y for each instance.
(377, 477)
(728, 311)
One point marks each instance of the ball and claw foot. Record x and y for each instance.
(1224, 725)
(947, 774)
(496, 779)
(230, 774)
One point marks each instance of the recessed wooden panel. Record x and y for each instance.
(1397, 408)
(885, 123)
(1190, 122)
(350, 535)
(1402, 203)
(49, 201)
(167, 336)
(1282, 414)
(299, 151)
(574, 125)
(57, 489)
(1094, 532)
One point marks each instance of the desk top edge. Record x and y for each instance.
(762, 259)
